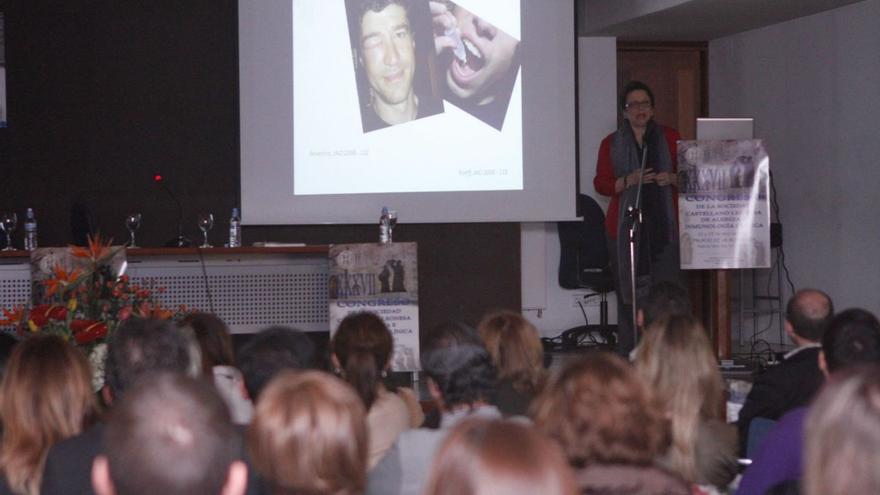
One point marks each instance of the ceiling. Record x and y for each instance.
(690, 20)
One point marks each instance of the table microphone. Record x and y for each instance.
(180, 240)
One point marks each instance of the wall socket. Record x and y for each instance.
(577, 300)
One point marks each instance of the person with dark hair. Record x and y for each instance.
(270, 351)
(171, 435)
(851, 340)
(488, 457)
(383, 41)
(361, 352)
(618, 173)
(461, 379)
(794, 381)
(137, 348)
(218, 361)
(7, 343)
(309, 436)
(610, 425)
(45, 397)
(665, 298)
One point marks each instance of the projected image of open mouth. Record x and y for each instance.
(465, 71)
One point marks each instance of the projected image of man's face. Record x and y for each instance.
(388, 56)
(489, 58)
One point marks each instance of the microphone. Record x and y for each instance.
(180, 240)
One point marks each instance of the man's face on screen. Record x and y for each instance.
(490, 54)
(388, 54)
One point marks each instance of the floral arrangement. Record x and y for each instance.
(86, 303)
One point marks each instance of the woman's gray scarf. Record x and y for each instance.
(658, 213)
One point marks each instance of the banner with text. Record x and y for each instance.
(383, 279)
(724, 204)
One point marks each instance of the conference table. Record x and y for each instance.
(250, 288)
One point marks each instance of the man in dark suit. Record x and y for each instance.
(794, 381)
(138, 347)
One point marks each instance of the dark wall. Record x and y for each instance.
(104, 93)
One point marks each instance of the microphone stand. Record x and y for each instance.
(180, 240)
(634, 215)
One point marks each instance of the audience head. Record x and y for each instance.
(7, 342)
(45, 397)
(141, 346)
(309, 435)
(516, 350)
(676, 360)
(807, 314)
(171, 434)
(599, 411)
(842, 449)
(459, 368)
(215, 342)
(851, 338)
(271, 351)
(664, 299)
(361, 349)
(485, 457)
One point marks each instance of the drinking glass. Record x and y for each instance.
(206, 222)
(392, 222)
(8, 221)
(132, 223)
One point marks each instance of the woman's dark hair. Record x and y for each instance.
(214, 340)
(635, 86)
(363, 346)
(458, 363)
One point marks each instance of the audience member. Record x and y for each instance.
(516, 350)
(45, 397)
(851, 339)
(361, 353)
(488, 457)
(271, 351)
(664, 299)
(309, 436)
(610, 427)
(218, 361)
(461, 379)
(676, 359)
(843, 436)
(7, 343)
(170, 435)
(794, 381)
(138, 347)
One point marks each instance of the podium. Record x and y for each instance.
(250, 288)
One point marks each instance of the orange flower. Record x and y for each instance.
(61, 279)
(12, 317)
(97, 249)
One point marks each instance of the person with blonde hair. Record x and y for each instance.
(45, 397)
(610, 427)
(484, 457)
(309, 436)
(676, 359)
(361, 352)
(516, 350)
(843, 436)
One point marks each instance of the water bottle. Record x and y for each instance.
(30, 230)
(235, 229)
(384, 226)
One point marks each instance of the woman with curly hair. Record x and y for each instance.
(610, 427)
(676, 359)
(516, 350)
(45, 397)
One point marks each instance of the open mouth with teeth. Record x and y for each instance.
(465, 67)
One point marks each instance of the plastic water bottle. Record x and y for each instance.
(30, 230)
(235, 229)
(384, 226)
